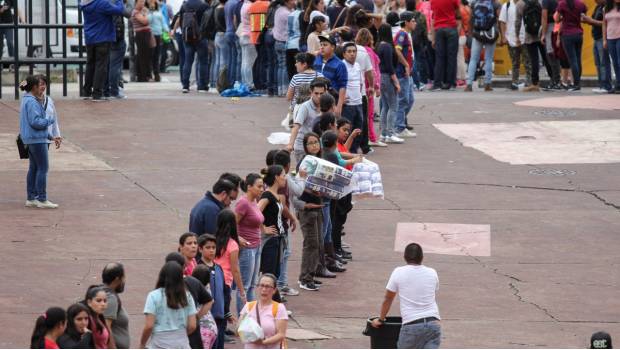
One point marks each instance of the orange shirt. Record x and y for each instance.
(258, 16)
(465, 17)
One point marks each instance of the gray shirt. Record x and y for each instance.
(120, 322)
(305, 117)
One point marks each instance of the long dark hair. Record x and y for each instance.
(46, 322)
(609, 5)
(72, 313)
(384, 35)
(250, 180)
(171, 279)
(226, 229)
(29, 83)
(311, 7)
(91, 293)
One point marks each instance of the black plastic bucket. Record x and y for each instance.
(386, 336)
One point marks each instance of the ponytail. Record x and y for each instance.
(46, 322)
(250, 180)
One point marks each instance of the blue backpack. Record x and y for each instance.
(484, 15)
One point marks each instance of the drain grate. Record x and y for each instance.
(552, 172)
(555, 113)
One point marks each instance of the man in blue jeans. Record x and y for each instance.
(404, 51)
(416, 286)
(201, 48)
(352, 109)
(117, 55)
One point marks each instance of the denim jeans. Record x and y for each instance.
(613, 46)
(389, 104)
(572, 46)
(327, 223)
(179, 38)
(202, 50)
(36, 180)
(222, 53)
(421, 63)
(8, 34)
(270, 63)
(425, 335)
(248, 56)
(354, 114)
(115, 73)
(234, 55)
(476, 49)
(249, 263)
(405, 103)
(281, 71)
(446, 50)
(603, 64)
(283, 278)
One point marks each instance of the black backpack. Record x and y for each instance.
(483, 15)
(207, 25)
(531, 16)
(190, 28)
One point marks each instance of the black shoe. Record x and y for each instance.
(409, 127)
(336, 268)
(325, 273)
(308, 286)
(574, 88)
(514, 87)
(317, 282)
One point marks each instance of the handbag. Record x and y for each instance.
(21, 147)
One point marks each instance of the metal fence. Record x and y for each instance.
(29, 60)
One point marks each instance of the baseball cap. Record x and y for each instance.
(600, 340)
(393, 19)
(328, 39)
(406, 16)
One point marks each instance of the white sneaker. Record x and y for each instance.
(406, 133)
(377, 144)
(394, 139)
(47, 205)
(600, 91)
(32, 204)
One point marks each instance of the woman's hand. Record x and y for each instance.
(57, 141)
(271, 230)
(356, 133)
(303, 173)
(397, 86)
(243, 242)
(313, 206)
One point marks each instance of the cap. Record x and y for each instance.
(406, 16)
(600, 340)
(393, 19)
(327, 39)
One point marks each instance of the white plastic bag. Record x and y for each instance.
(279, 138)
(366, 181)
(285, 122)
(249, 330)
(326, 177)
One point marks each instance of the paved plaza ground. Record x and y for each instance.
(538, 267)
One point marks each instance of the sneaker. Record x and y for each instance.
(185, 91)
(99, 99)
(308, 286)
(468, 88)
(325, 273)
(286, 290)
(119, 97)
(435, 88)
(532, 88)
(600, 91)
(488, 87)
(345, 245)
(409, 127)
(383, 139)
(394, 139)
(337, 267)
(406, 133)
(47, 205)
(377, 144)
(32, 204)
(368, 152)
(574, 88)
(317, 283)
(514, 87)
(203, 91)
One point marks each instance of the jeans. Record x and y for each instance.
(281, 71)
(270, 63)
(222, 53)
(202, 50)
(36, 180)
(572, 46)
(234, 54)
(248, 56)
(389, 104)
(97, 64)
(354, 114)
(156, 56)
(405, 104)
(532, 52)
(179, 38)
(446, 49)
(421, 63)
(425, 335)
(283, 278)
(327, 223)
(476, 49)
(603, 64)
(115, 73)
(221, 333)
(6, 33)
(613, 46)
(311, 223)
(249, 263)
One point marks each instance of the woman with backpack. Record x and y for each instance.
(571, 12)
(270, 315)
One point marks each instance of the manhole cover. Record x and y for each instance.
(552, 172)
(526, 137)
(555, 113)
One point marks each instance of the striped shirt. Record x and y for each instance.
(299, 79)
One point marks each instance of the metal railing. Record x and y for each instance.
(48, 60)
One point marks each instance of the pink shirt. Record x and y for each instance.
(245, 17)
(100, 339)
(613, 25)
(251, 219)
(224, 261)
(189, 267)
(267, 322)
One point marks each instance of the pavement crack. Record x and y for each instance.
(603, 200)
(517, 293)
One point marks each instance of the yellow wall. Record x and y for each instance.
(502, 58)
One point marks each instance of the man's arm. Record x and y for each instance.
(111, 342)
(291, 141)
(544, 20)
(385, 308)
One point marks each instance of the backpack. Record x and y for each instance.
(207, 25)
(190, 28)
(483, 15)
(274, 312)
(531, 16)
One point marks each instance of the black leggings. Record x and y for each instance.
(144, 56)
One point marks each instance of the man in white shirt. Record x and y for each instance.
(507, 18)
(415, 285)
(352, 109)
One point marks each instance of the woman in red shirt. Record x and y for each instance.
(97, 301)
(571, 12)
(188, 247)
(48, 328)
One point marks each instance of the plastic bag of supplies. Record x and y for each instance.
(366, 181)
(327, 178)
(249, 330)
